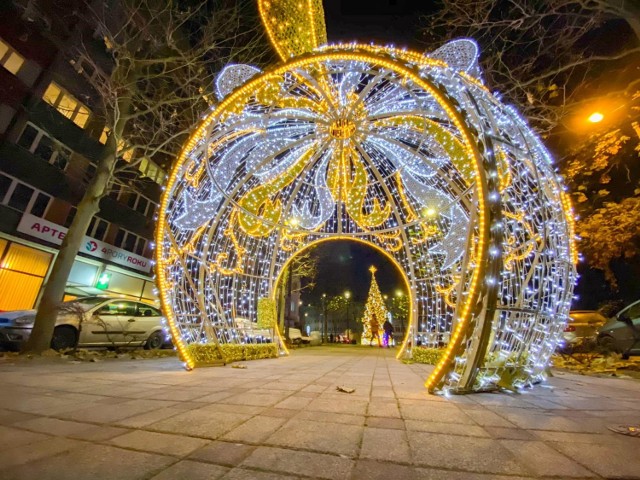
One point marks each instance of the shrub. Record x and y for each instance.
(429, 356)
(208, 353)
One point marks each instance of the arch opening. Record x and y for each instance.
(357, 291)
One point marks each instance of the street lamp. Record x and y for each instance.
(596, 117)
(324, 309)
(347, 295)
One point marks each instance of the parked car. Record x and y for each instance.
(622, 333)
(582, 329)
(91, 322)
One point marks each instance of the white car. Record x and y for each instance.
(91, 322)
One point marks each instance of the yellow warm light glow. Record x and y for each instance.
(596, 117)
(430, 212)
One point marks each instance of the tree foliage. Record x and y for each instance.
(542, 55)
(399, 308)
(556, 60)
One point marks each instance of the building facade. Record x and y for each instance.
(51, 136)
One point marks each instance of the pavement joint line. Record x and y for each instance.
(265, 470)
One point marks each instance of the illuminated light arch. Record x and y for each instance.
(391, 148)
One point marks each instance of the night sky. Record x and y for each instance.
(383, 22)
(344, 265)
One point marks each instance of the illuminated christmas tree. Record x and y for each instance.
(375, 311)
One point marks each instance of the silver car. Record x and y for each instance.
(91, 322)
(622, 332)
(581, 330)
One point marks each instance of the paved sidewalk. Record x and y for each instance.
(279, 419)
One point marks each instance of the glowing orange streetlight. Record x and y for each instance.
(595, 117)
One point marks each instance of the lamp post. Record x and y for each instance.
(324, 311)
(347, 295)
(399, 295)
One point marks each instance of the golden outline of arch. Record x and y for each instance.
(472, 153)
(369, 243)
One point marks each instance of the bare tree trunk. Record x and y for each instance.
(40, 339)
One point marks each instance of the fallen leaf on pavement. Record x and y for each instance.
(345, 389)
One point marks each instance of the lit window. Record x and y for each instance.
(52, 94)
(152, 171)
(66, 104)
(9, 58)
(124, 150)
(104, 135)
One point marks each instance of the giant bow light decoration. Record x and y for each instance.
(406, 152)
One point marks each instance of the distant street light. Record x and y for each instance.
(596, 117)
(399, 293)
(347, 295)
(324, 310)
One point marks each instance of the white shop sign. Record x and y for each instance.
(54, 233)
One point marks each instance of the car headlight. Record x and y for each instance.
(25, 320)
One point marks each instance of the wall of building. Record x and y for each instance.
(50, 141)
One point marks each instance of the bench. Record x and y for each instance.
(296, 338)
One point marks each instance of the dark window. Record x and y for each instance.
(88, 69)
(5, 183)
(90, 172)
(40, 205)
(119, 237)
(118, 308)
(70, 216)
(151, 211)
(126, 308)
(129, 242)
(20, 197)
(92, 224)
(28, 136)
(45, 148)
(101, 230)
(147, 311)
(62, 157)
(140, 246)
(142, 205)
(110, 309)
(131, 200)
(115, 191)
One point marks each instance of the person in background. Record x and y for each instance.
(388, 333)
(375, 331)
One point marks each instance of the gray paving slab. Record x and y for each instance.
(284, 419)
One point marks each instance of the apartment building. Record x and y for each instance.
(50, 139)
